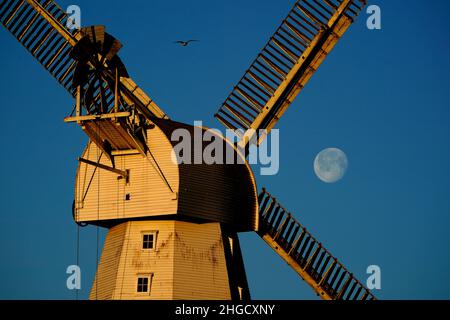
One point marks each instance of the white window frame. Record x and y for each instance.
(155, 236)
(149, 276)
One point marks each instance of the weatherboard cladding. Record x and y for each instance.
(200, 270)
(109, 264)
(218, 192)
(149, 194)
(188, 262)
(221, 192)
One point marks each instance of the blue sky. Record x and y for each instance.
(381, 96)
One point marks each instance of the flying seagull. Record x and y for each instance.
(184, 43)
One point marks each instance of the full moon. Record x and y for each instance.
(330, 165)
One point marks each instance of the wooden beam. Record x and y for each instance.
(124, 174)
(91, 117)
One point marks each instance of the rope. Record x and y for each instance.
(78, 256)
(98, 218)
(97, 261)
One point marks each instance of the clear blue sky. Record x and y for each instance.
(381, 96)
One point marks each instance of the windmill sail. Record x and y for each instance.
(48, 42)
(285, 64)
(306, 255)
(40, 26)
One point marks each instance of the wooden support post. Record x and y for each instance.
(116, 92)
(78, 103)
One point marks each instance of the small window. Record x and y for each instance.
(148, 241)
(143, 284)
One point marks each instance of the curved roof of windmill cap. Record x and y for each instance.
(159, 186)
(224, 192)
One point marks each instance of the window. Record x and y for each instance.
(143, 284)
(148, 240)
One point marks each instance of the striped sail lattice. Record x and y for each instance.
(40, 26)
(306, 255)
(286, 63)
(40, 38)
(48, 45)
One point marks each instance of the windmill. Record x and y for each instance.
(173, 227)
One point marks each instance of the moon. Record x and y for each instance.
(330, 165)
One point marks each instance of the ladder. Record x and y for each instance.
(306, 255)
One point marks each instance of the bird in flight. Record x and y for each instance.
(185, 43)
